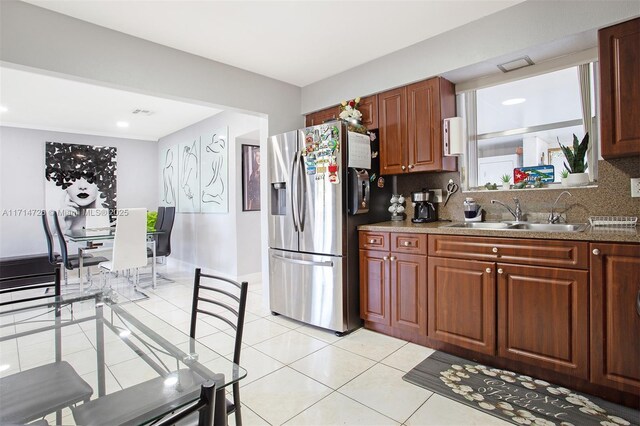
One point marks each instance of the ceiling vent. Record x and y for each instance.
(140, 111)
(516, 64)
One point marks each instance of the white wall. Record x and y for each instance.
(218, 241)
(22, 181)
(525, 25)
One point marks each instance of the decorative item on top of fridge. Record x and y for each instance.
(396, 208)
(321, 148)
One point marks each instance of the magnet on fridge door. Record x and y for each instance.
(380, 182)
(333, 174)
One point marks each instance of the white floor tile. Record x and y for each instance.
(332, 366)
(290, 346)
(369, 344)
(249, 418)
(441, 411)
(260, 330)
(337, 409)
(408, 357)
(219, 342)
(257, 365)
(282, 395)
(382, 388)
(287, 322)
(132, 372)
(319, 333)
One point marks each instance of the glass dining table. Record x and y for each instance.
(137, 367)
(90, 236)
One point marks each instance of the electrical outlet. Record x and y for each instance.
(635, 187)
(437, 195)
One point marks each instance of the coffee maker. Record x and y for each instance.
(424, 210)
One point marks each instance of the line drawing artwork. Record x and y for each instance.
(213, 194)
(189, 177)
(169, 177)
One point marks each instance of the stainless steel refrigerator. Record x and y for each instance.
(316, 202)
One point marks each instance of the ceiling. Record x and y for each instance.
(42, 102)
(299, 42)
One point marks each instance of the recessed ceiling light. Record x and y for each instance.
(3, 108)
(514, 101)
(123, 124)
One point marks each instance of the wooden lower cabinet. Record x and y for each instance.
(543, 317)
(615, 316)
(408, 292)
(462, 307)
(374, 288)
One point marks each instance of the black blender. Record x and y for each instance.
(424, 211)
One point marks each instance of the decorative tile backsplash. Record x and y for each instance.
(612, 197)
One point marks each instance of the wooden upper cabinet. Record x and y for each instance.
(392, 116)
(615, 316)
(543, 317)
(320, 117)
(428, 103)
(369, 109)
(619, 53)
(410, 122)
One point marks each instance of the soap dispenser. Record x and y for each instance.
(472, 210)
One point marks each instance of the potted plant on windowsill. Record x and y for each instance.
(505, 181)
(575, 163)
(563, 177)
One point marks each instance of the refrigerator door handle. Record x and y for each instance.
(302, 206)
(294, 192)
(303, 262)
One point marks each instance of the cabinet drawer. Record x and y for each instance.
(409, 243)
(566, 254)
(374, 240)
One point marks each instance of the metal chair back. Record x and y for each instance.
(210, 293)
(64, 252)
(49, 237)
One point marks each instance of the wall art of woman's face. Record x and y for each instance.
(82, 192)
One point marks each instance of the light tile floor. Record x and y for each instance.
(297, 374)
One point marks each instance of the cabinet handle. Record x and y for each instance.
(411, 166)
(638, 303)
(372, 241)
(385, 257)
(407, 243)
(488, 270)
(404, 168)
(495, 249)
(500, 271)
(392, 258)
(596, 252)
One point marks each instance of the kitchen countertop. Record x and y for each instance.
(619, 235)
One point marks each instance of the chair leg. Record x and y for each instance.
(236, 403)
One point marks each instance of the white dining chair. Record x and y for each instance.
(96, 218)
(129, 244)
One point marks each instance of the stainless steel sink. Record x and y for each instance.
(481, 225)
(522, 226)
(550, 227)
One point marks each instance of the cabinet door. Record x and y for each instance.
(369, 109)
(320, 117)
(392, 116)
(409, 292)
(543, 317)
(615, 316)
(424, 128)
(374, 288)
(462, 303)
(620, 89)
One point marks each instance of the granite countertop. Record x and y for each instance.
(620, 235)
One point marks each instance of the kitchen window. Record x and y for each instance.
(521, 123)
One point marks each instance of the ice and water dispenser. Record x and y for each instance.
(279, 198)
(358, 191)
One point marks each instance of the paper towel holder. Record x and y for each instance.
(453, 136)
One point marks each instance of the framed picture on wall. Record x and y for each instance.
(250, 178)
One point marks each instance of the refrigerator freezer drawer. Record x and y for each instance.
(307, 288)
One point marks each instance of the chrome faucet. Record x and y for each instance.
(553, 217)
(517, 214)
